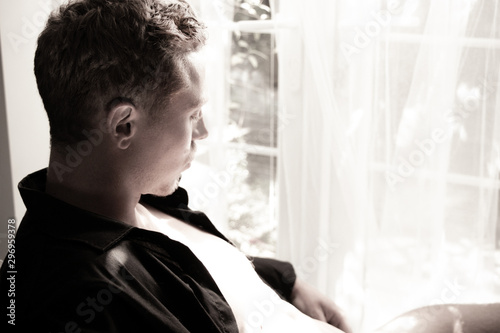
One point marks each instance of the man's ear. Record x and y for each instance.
(122, 123)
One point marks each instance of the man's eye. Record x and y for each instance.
(197, 116)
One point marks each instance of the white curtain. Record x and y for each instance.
(389, 159)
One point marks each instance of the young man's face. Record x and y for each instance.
(166, 148)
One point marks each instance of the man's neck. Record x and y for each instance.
(97, 192)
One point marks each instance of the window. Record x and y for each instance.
(245, 130)
(382, 134)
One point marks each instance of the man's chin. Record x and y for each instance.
(167, 189)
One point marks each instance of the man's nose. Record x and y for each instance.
(200, 132)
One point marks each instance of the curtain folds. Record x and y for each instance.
(389, 162)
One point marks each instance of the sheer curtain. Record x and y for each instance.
(389, 159)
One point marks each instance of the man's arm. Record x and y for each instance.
(310, 301)
(281, 276)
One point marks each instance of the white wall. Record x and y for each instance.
(28, 130)
(6, 197)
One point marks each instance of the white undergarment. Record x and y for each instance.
(256, 307)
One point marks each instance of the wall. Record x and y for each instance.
(6, 195)
(26, 134)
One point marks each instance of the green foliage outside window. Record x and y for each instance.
(252, 117)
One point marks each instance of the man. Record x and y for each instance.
(108, 243)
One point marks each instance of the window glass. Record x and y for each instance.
(252, 122)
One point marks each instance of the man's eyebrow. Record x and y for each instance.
(199, 103)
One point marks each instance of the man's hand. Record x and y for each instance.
(314, 304)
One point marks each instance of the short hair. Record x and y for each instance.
(95, 52)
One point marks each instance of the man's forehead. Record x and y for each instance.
(191, 97)
(196, 66)
(199, 102)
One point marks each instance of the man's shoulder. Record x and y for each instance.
(65, 281)
(51, 262)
